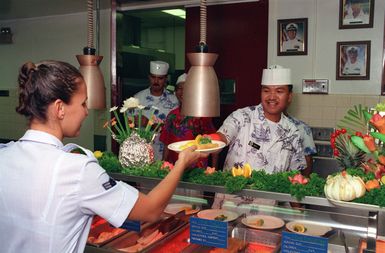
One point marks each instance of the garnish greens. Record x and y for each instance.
(259, 180)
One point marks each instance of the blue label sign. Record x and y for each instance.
(131, 225)
(208, 232)
(298, 243)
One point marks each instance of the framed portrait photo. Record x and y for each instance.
(353, 60)
(356, 14)
(292, 36)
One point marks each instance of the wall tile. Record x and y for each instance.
(342, 100)
(328, 113)
(355, 100)
(372, 101)
(328, 110)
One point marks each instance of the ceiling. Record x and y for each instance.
(16, 9)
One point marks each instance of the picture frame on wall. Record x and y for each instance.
(292, 36)
(356, 14)
(353, 60)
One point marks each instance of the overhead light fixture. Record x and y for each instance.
(89, 65)
(201, 89)
(176, 12)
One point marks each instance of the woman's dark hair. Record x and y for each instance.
(42, 84)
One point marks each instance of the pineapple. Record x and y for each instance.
(346, 153)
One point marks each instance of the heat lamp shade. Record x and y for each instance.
(96, 91)
(201, 89)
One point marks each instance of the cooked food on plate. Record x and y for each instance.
(299, 228)
(202, 141)
(256, 222)
(221, 217)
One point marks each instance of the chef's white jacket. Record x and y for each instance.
(48, 196)
(253, 139)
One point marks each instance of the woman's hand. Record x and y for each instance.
(189, 156)
(149, 207)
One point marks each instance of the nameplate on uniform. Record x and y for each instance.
(109, 184)
(299, 243)
(131, 225)
(208, 232)
(254, 145)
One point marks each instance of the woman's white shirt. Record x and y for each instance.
(48, 196)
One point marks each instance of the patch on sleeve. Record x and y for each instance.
(109, 184)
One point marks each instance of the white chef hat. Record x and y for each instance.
(276, 75)
(291, 26)
(181, 78)
(159, 68)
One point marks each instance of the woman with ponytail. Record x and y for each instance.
(48, 195)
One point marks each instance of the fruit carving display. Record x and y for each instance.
(344, 187)
(360, 145)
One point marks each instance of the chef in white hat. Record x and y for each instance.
(262, 136)
(159, 97)
(292, 41)
(256, 134)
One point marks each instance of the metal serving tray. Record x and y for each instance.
(97, 230)
(259, 237)
(168, 227)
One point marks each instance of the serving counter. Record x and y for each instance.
(347, 225)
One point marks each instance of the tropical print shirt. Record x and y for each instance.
(180, 128)
(306, 135)
(273, 147)
(164, 103)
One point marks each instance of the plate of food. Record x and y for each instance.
(218, 214)
(175, 208)
(307, 228)
(263, 222)
(205, 144)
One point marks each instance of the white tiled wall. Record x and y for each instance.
(327, 110)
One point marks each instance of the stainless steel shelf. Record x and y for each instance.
(372, 216)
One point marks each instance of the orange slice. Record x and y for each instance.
(247, 170)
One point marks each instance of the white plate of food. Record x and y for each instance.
(218, 214)
(175, 208)
(214, 146)
(263, 222)
(307, 228)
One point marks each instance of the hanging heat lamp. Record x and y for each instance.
(89, 66)
(201, 89)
